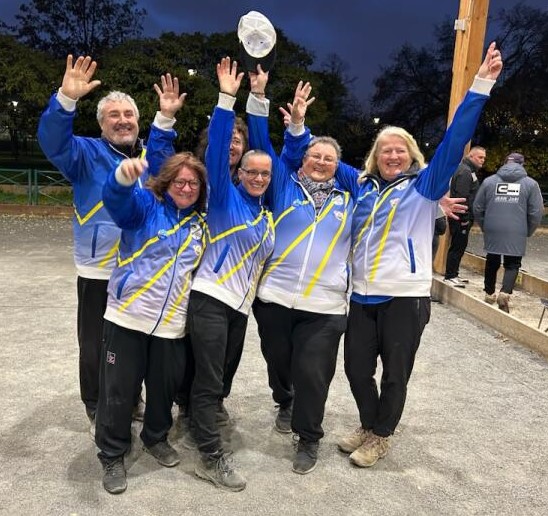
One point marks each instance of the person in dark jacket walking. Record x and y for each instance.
(508, 208)
(464, 183)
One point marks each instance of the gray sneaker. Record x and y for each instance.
(114, 476)
(217, 469)
(283, 419)
(164, 453)
(306, 457)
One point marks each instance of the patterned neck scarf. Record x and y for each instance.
(319, 190)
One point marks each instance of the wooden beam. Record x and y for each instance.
(469, 42)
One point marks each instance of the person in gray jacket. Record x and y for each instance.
(508, 208)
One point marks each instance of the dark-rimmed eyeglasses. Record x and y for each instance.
(193, 184)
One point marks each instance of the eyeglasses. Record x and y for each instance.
(330, 160)
(193, 184)
(256, 173)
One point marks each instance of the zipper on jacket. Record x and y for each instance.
(173, 270)
(249, 274)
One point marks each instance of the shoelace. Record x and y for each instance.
(224, 465)
(113, 468)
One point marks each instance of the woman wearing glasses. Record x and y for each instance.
(162, 241)
(240, 239)
(302, 295)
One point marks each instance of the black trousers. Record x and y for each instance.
(232, 363)
(512, 265)
(300, 349)
(391, 330)
(92, 303)
(128, 357)
(459, 242)
(217, 334)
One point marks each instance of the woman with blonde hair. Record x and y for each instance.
(392, 231)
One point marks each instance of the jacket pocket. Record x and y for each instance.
(411, 255)
(222, 258)
(94, 240)
(122, 284)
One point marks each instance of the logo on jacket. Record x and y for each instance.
(197, 249)
(111, 357)
(394, 202)
(338, 214)
(196, 231)
(508, 189)
(162, 234)
(338, 200)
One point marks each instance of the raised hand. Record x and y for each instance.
(77, 79)
(132, 168)
(297, 109)
(453, 206)
(229, 78)
(168, 95)
(492, 64)
(258, 81)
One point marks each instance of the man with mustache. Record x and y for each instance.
(86, 163)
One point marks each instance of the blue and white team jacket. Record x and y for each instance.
(86, 163)
(240, 228)
(393, 227)
(160, 249)
(308, 268)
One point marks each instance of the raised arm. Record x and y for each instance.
(55, 129)
(220, 132)
(297, 135)
(162, 135)
(432, 183)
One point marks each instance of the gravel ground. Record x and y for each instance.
(472, 439)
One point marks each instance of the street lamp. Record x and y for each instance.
(376, 120)
(192, 72)
(14, 103)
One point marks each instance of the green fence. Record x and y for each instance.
(35, 186)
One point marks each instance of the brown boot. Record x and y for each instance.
(503, 300)
(354, 440)
(374, 448)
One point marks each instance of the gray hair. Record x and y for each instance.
(251, 153)
(327, 140)
(115, 96)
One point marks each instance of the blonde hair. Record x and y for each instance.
(370, 165)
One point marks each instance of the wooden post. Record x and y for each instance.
(470, 27)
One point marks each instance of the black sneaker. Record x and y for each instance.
(223, 417)
(114, 476)
(283, 419)
(164, 453)
(217, 469)
(306, 457)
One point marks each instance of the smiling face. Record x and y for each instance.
(393, 157)
(236, 148)
(185, 188)
(320, 162)
(255, 174)
(119, 124)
